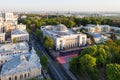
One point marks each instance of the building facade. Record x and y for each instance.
(97, 28)
(2, 37)
(93, 28)
(21, 27)
(64, 38)
(20, 35)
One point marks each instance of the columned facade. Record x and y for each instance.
(68, 42)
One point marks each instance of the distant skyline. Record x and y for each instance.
(61, 5)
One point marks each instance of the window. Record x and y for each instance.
(15, 77)
(10, 78)
(1, 61)
(25, 76)
(28, 74)
(5, 60)
(21, 76)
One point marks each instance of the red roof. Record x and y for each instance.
(61, 60)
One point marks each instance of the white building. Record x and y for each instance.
(116, 29)
(13, 49)
(18, 63)
(105, 28)
(21, 35)
(63, 37)
(98, 38)
(9, 17)
(97, 28)
(21, 27)
(2, 37)
(9, 21)
(1, 27)
(93, 28)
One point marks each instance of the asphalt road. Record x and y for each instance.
(58, 74)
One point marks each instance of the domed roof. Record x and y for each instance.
(61, 28)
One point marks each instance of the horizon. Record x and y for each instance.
(61, 5)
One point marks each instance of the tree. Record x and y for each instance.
(74, 64)
(83, 30)
(88, 63)
(113, 71)
(15, 40)
(115, 50)
(38, 32)
(28, 30)
(113, 36)
(38, 52)
(91, 51)
(44, 61)
(101, 56)
(70, 23)
(48, 42)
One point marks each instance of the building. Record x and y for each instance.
(20, 35)
(1, 27)
(2, 37)
(98, 38)
(116, 29)
(97, 28)
(93, 28)
(21, 27)
(9, 17)
(8, 27)
(64, 38)
(9, 51)
(105, 28)
(9, 21)
(17, 62)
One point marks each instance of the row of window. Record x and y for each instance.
(23, 38)
(27, 75)
(3, 61)
(10, 54)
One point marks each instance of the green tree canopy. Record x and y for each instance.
(44, 61)
(74, 64)
(88, 63)
(113, 71)
(15, 40)
(38, 32)
(48, 42)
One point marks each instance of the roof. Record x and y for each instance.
(18, 32)
(58, 31)
(95, 35)
(61, 28)
(21, 63)
(13, 47)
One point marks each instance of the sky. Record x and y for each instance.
(60, 5)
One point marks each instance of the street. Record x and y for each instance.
(58, 75)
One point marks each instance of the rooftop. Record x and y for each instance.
(21, 63)
(18, 32)
(58, 31)
(12, 47)
(61, 28)
(95, 35)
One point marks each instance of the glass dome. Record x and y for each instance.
(61, 28)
